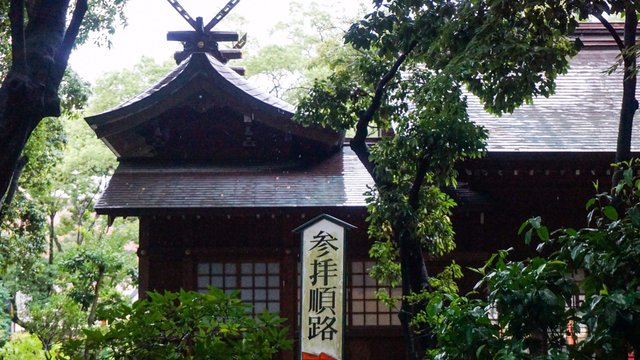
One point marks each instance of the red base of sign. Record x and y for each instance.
(322, 356)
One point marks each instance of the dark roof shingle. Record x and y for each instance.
(581, 116)
(340, 180)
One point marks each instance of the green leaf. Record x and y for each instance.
(610, 212)
(543, 233)
(522, 227)
(634, 215)
(535, 222)
(577, 253)
(479, 350)
(527, 236)
(628, 176)
(549, 297)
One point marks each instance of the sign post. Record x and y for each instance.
(322, 315)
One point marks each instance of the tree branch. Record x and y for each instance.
(70, 35)
(629, 101)
(84, 208)
(18, 48)
(13, 186)
(414, 192)
(96, 292)
(630, 29)
(611, 30)
(358, 143)
(14, 314)
(52, 236)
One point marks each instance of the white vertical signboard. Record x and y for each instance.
(322, 318)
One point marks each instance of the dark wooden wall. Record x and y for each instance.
(516, 187)
(172, 245)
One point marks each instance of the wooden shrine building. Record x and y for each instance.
(219, 175)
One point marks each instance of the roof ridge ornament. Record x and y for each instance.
(203, 39)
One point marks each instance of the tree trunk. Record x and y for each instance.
(94, 306)
(96, 291)
(629, 102)
(52, 230)
(15, 129)
(413, 269)
(40, 49)
(79, 236)
(13, 186)
(414, 281)
(52, 236)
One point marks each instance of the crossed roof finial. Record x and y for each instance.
(203, 39)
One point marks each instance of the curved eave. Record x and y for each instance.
(203, 73)
(337, 181)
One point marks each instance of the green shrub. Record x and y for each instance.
(530, 310)
(22, 346)
(183, 325)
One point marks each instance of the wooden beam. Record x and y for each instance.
(217, 36)
(239, 69)
(231, 54)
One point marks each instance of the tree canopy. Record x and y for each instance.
(309, 41)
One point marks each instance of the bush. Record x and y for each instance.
(184, 325)
(22, 346)
(531, 310)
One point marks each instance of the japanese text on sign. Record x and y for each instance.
(322, 302)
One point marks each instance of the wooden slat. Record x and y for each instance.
(239, 69)
(192, 35)
(231, 54)
(176, 5)
(221, 14)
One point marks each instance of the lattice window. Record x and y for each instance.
(258, 282)
(577, 301)
(365, 309)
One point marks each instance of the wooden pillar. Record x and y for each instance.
(143, 256)
(289, 285)
(188, 262)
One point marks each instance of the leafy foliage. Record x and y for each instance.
(54, 321)
(531, 310)
(60, 265)
(100, 21)
(118, 86)
(308, 43)
(86, 267)
(23, 346)
(23, 237)
(185, 325)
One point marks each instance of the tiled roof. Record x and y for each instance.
(594, 35)
(202, 76)
(340, 180)
(226, 73)
(581, 116)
